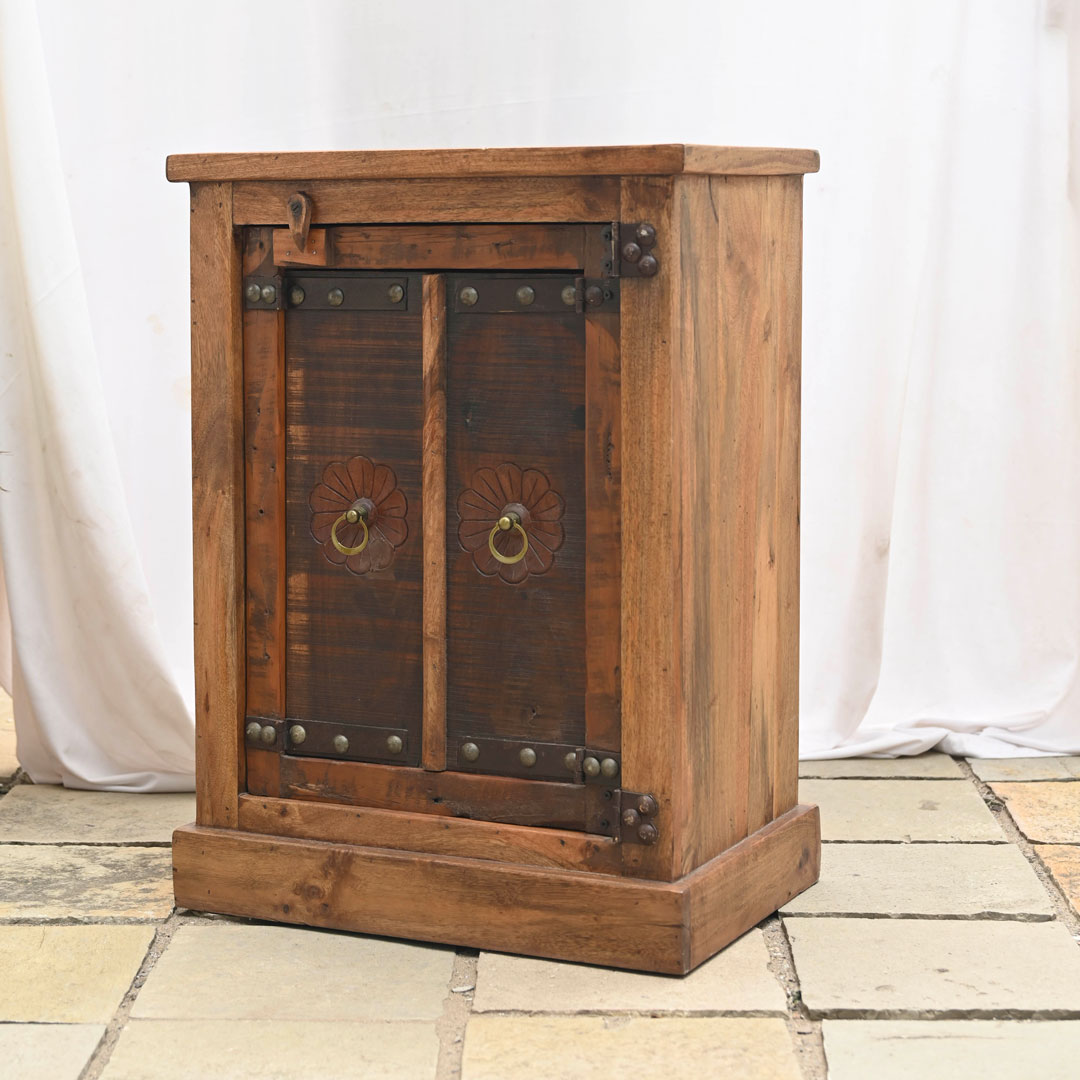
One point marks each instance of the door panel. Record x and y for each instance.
(515, 424)
(353, 419)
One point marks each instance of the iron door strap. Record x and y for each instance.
(529, 294)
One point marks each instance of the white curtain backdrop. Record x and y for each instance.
(941, 477)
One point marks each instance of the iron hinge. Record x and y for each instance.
(637, 813)
(633, 250)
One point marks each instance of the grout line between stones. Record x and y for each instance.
(104, 1050)
(1062, 908)
(450, 1027)
(805, 1032)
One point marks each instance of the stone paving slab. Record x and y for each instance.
(924, 879)
(68, 974)
(951, 1049)
(929, 766)
(47, 814)
(736, 980)
(47, 882)
(273, 1050)
(9, 762)
(234, 971)
(1026, 768)
(587, 1047)
(1063, 862)
(901, 810)
(1045, 812)
(47, 1051)
(934, 965)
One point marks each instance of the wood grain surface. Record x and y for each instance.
(354, 387)
(485, 904)
(433, 833)
(529, 199)
(656, 159)
(516, 394)
(217, 495)
(433, 753)
(264, 494)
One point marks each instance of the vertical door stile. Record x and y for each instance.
(603, 551)
(433, 499)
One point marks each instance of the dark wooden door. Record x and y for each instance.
(352, 439)
(515, 389)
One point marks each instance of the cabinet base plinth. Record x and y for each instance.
(668, 927)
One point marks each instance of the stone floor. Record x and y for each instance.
(941, 942)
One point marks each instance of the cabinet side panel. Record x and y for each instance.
(738, 401)
(217, 492)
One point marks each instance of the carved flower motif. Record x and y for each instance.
(509, 490)
(359, 482)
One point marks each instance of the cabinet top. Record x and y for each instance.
(656, 160)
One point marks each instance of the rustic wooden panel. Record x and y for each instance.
(653, 717)
(454, 247)
(318, 251)
(263, 771)
(736, 890)
(354, 388)
(603, 489)
(217, 481)
(529, 199)
(595, 918)
(433, 754)
(516, 394)
(436, 834)
(662, 159)
(451, 794)
(264, 497)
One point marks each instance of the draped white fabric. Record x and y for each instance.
(941, 480)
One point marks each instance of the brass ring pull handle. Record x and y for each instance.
(352, 516)
(505, 524)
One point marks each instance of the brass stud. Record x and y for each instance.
(341, 744)
(631, 252)
(570, 761)
(569, 295)
(253, 730)
(395, 294)
(470, 751)
(506, 522)
(297, 734)
(335, 298)
(590, 766)
(268, 293)
(630, 817)
(609, 767)
(394, 744)
(352, 516)
(268, 734)
(525, 295)
(594, 295)
(527, 757)
(296, 296)
(646, 806)
(647, 833)
(468, 296)
(253, 292)
(645, 234)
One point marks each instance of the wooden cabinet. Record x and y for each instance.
(496, 505)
